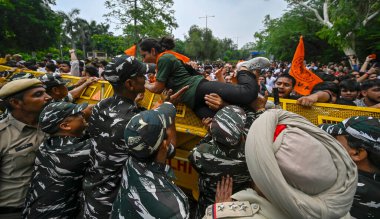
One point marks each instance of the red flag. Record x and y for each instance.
(131, 51)
(305, 78)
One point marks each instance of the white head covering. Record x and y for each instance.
(305, 172)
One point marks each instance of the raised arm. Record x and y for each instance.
(74, 63)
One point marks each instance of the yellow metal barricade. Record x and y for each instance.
(190, 129)
(327, 113)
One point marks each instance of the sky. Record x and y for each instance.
(235, 19)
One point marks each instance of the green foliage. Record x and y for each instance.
(77, 32)
(202, 45)
(180, 46)
(28, 25)
(40, 55)
(281, 36)
(349, 28)
(143, 18)
(113, 45)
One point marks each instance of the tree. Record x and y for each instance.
(83, 30)
(281, 36)
(227, 50)
(78, 32)
(180, 46)
(201, 44)
(28, 25)
(70, 26)
(142, 18)
(101, 28)
(113, 45)
(342, 20)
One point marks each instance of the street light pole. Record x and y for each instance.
(206, 17)
(206, 37)
(237, 42)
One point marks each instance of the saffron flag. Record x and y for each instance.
(305, 79)
(131, 51)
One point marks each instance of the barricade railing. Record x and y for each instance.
(190, 128)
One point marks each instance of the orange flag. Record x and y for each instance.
(305, 78)
(131, 51)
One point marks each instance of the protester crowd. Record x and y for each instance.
(60, 159)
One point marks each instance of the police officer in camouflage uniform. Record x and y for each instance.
(222, 155)
(56, 87)
(106, 126)
(60, 163)
(360, 136)
(147, 189)
(19, 139)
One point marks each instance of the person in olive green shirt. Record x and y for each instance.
(173, 74)
(19, 139)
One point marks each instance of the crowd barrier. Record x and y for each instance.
(190, 129)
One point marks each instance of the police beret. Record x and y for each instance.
(16, 86)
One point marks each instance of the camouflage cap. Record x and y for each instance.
(363, 128)
(14, 87)
(227, 126)
(54, 113)
(52, 80)
(123, 67)
(21, 75)
(145, 131)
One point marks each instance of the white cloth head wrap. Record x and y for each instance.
(305, 172)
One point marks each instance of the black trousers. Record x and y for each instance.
(242, 93)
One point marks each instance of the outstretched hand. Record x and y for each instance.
(224, 190)
(307, 100)
(174, 98)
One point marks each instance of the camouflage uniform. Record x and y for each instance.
(55, 79)
(106, 126)
(222, 153)
(147, 190)
(363, 132)
(367, 197)
(109, 153)
(59, 168)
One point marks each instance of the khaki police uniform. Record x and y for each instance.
(18, 143)
(248, 205)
